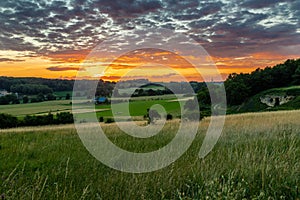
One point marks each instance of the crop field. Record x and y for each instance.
(257, 157)
(138, 107)
(63, 94)
(36, 108)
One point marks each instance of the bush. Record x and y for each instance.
(50, 97)
(25, 99)
(68, 96)
(109, 120)
(64, 118)
(40, 97)
(11, 98)
(34, 100)
(8, 121)
(101, 119)
(169, 117)
(37, 120)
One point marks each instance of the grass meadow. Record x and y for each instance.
(137, 106)
(21, 110)
(257, 157)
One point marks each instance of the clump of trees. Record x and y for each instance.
(9, 99)
(169, 116)
(30, 89)
(101, 119)
(241, 86)
(21, 84)
(13, 99)
(109, 120)
(9, 121)
(150, 92)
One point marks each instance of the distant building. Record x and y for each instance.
(100, 100)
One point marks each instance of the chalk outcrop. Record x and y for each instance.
(274, 100)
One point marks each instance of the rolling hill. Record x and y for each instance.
(288, 98)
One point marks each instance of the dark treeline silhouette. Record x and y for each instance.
(14, 99)
(9, 121)
(9, 99)
(239, 87)
(35, 86)
(31, 89)
(9, 83)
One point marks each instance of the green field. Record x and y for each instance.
(63, 94)
(138, 107)
(36, 108)
(248, 162)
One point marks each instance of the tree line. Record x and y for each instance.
(14, 99)
(10, 121)
(8, 83)
(239, 87)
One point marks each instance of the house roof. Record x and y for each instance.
(101, 99)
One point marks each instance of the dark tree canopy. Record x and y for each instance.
(241, 86)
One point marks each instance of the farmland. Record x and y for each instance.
(138, 106)
(251, 162)
(36, 108)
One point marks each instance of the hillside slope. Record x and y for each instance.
(286, 98)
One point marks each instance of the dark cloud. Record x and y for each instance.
(164, 76)
(224, 28)
(58, 68)
(126, 8)
(258, 3)
(10, 60)
(262, 3)
(176, 5)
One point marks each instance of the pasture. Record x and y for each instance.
(138, 107)
(20, 110)
(257, 157)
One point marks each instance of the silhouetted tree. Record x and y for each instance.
(50, 97)
(8, 121)
(25, 99)
(169, 117)
(68, 96)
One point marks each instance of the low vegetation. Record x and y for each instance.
(9, 121)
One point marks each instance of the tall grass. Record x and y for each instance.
(257, 157)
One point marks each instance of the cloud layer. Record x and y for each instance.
(224, 28)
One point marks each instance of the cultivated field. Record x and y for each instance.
(138, 106)
(257, 157)
(45, 107)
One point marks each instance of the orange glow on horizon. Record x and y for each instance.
(65, 65)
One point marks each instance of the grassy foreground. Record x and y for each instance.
(257, 157)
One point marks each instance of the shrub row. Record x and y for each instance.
(9, 121)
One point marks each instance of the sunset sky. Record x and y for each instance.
(51, 39)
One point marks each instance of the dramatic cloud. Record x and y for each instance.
(10, 60)
(66, 31)
(57, 68)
